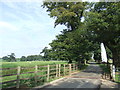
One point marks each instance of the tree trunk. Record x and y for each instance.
(70, 61)
(115, 53)
(116, 58)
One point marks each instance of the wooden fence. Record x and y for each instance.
(115, 73)
(112, 74)
(17, 77)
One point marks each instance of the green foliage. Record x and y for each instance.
(23, 58)
(46, 52)
(6, 58)
(70, 46)
(32, 58)
(73, 44)
(105, 68)
(10, 58)
(80, 39)
(117, 77)
(102, 24)
(66, 13)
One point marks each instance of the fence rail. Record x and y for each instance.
(38, 72)
(113, 73)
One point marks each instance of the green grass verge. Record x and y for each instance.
(82, 67)
(117, 78)
(105, 68)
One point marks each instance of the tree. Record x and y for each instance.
(23, 58)
(102, 23)
(46, 52)
(12, 57)
(31, 58)
(72, 44)
(66, 13)
(6, 58)
(101, 26)
(60, 47)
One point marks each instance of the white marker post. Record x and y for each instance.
(113, 72)
(103, 53)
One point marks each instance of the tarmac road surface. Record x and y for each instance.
(89, 78)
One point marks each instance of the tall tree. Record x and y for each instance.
(102, 23)
(46, 52)
(72, 44)
(66, 13)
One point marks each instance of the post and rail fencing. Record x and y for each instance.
(33, 76)
(113, 73)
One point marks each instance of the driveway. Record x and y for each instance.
(88, 78)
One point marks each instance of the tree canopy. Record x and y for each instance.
(102, 23)
(66, 13)
(80, 39)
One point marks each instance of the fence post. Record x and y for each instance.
(110, 71)
(48, 72)
(56, 70)
(74, 67)
(118, 78)
(64, 69)
(18, 76)
(113, 72)
(59, 69)
(69, 69)
(77, 66)
(36, 69)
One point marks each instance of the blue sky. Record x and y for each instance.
(25, 28)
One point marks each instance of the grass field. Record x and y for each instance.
(29, 64)
(117, 78)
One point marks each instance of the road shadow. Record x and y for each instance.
(92, 71)
(93, 68)
(74, 84)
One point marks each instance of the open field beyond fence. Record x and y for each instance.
(30, 74)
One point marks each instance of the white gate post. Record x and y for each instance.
(113, 72)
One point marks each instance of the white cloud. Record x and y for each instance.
(90, 0)
(22, 0)
(26, 29)
(7, 26)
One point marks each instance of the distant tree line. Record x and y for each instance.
(12, 58)
(32, 58)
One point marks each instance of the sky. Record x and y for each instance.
(25, 28)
